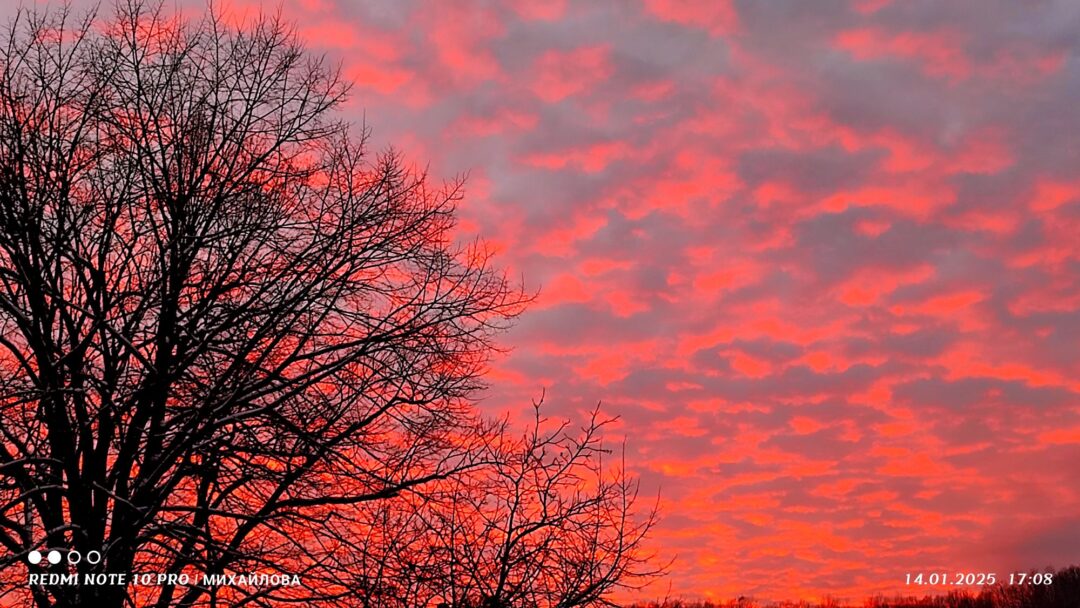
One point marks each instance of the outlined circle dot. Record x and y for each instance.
(93, 561)
(74, 557)
(34, 557)
(54, 557)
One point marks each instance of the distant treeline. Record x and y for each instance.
(1064, 592)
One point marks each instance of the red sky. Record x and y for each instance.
(822, 258)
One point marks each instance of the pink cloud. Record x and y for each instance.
(822, 265)
(558, 75)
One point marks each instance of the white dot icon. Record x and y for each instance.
(34, 557)
(54, 557)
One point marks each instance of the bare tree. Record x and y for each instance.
(549, 524)
(224, 323)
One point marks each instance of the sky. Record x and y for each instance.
(821, 258)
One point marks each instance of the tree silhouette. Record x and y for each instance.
(549, 523)
(224, 324)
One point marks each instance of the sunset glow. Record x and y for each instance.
(821, 259)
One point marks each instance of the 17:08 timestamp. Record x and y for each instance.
(977, 578)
